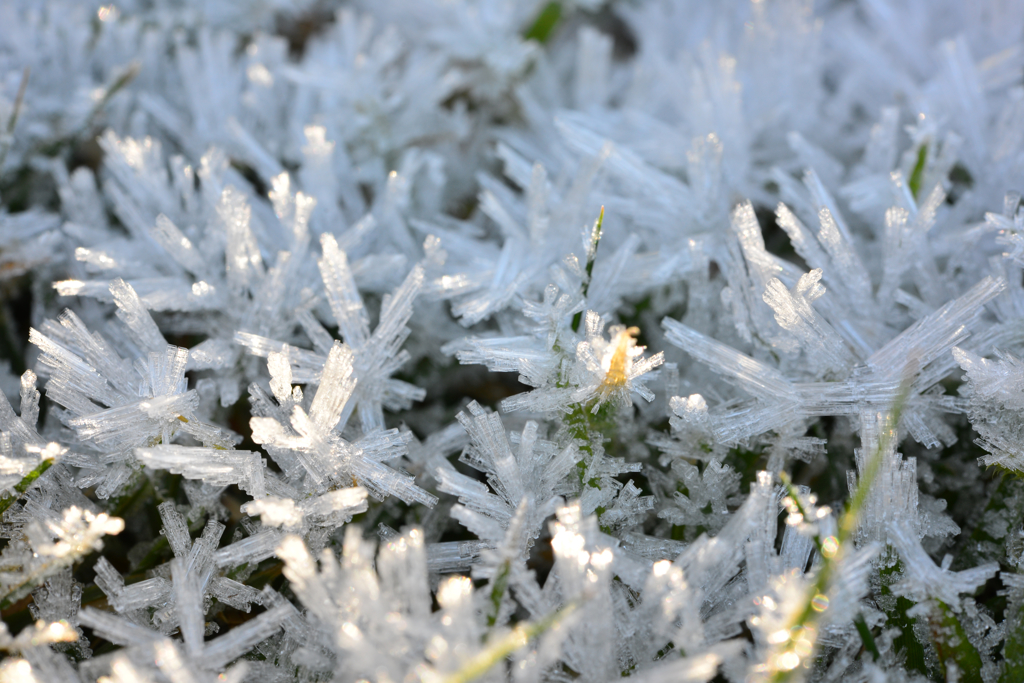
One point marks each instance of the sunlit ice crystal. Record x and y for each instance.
(52, 541)
(376, 356)
(199, 252)
(311, 436)
(115, 404)
(535, 472)
(499, 129)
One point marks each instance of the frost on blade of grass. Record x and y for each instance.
(475, 340)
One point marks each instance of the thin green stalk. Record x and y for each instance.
(18, 100)
(519, 637)
(794, 495)
(498, 588)
(866, 637)
(917, 175)
(812, 609)
(122, 80)
(595, 238)
(24, 484)
(544, 25)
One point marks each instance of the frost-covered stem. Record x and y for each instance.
(827, 553)
(24, 484)
(498, 590)
(518, 638)
(595, 238)
(580, 422)
(18, 100)
(804, 512)
(122, 80)
(584, 426)
(811, 611)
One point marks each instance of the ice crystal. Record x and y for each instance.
(50, 542)
(533, 477)
(115, 405)
(648, 339)
(310, 437)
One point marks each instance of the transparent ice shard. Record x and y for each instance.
(134, 315)
(532, 476)
(200, 557)
(372, 357)
(932, 337)
(711, 562)
(213, 354)
(275, 512)
(594, 63)
(473, 494)
(651, 548)
(49, 541)
(306, 365)
(115, 405)
(188, 599)
(280, 376)
(233, 593)
(175, 529)
(924, 580)
(123, 671)
(128, 598)
(239, 640)
(180, 247)
(845, 265)
(527, 355)
(753, 376)
(696, 669)
(630, 508)
(336, 387)
(335, 506)
(214, 466)
(244, 263)
(793, 312)
(893, 496)
(29, 399)
(252, 550)
(117, 629)
(324, 455)
(453, 556)
(706, 502)
(346, 304)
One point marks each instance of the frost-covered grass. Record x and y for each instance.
(496, 340)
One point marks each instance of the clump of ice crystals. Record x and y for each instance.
(539, 341)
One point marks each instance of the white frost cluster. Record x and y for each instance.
(482, 340)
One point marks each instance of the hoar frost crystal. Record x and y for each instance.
(481, 340)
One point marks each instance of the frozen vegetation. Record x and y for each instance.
(442, 341)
